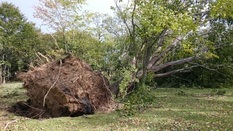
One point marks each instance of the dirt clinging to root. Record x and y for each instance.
(67, 87)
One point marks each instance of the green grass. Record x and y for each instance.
(173, 109)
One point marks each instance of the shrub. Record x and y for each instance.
(137, 101)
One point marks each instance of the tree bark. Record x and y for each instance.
(1, 80)
(157, 57)
(4, 74)
(172, 63)
(174, 71)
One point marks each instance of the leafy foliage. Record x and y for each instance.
(164, 35)
(128, 78)
(187, 41)
(222, 9)
(19, 40)
(138, 101)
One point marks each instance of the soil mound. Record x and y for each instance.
(68, 87)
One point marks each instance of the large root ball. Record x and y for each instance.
(67, 87)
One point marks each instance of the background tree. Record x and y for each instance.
(143, 41)
(82, 32)
(61, 16)
(18, 41)
(216, 72)
(164, 35)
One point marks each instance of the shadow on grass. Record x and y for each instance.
(14, 100)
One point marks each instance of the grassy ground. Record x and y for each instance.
(173, 109)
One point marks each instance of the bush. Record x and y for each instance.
(137, 101)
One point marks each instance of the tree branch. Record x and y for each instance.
(172, 63)
(206, 67)
(124, 20)
(132, 18)
(156, 57)
(174, 71)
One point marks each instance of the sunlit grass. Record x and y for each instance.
(172, 109)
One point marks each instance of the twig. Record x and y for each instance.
(50, 57)
(39, 114)
(40, 60)
(205, 66)
(75, 79)
(9, 124)
(53, 83)
(33, 107)
(55, 41)
(43, 56)
(181, 78)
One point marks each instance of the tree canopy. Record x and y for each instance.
(145, 40)
(18, 41)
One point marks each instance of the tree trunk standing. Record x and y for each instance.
(1, 78)
(3, 71)
(144, 69)
(4, 74)
(64, 40)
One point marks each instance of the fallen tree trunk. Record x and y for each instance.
(68, 87)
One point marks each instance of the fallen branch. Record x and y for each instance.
(40, 54)
(175, 71)
(172, 63)
(9, 124)
(40, 60)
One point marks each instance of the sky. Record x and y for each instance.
(26, 7)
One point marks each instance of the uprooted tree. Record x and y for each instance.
(66, 87)
(156, 37)
(160, 38)
(162, 34)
